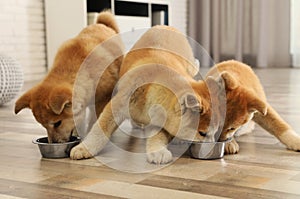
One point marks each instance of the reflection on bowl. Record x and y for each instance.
(207, 150)
(55, 150)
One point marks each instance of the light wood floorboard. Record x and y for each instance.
(263, 168)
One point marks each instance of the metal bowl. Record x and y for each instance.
(207, 150)
(55, 150)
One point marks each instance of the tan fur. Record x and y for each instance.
(160, 111)
(105, 18)
(51, 100)
(246, 100)
(152, 104)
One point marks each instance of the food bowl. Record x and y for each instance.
(55, 150)
(207, 150)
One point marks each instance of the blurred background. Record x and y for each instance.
(260, 33)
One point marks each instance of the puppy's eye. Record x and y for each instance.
(231, 129)
(57, 124)
(202, 133)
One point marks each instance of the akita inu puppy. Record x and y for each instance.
(246, 104)
(156, 90)
(51, 101)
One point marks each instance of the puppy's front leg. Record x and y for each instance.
(232, 147)
(99, 135)
(156, 148)
(91, 145)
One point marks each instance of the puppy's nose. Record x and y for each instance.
(54, 140)
(50, 140)
(202, 134)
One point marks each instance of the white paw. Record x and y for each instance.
(232, 147)
(79, 152)
(163, 156)
(291, 139)
(294, 144)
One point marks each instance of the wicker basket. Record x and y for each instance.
(11, 78)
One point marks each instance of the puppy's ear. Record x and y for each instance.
(190, 101)
(255, 104)
(60, 98)
(23, 101)
(230, 82)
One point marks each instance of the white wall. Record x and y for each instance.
(22, 35)
(179, 15)
(295, 32)
(22, 32)
(64, 20)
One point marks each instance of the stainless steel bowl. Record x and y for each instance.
(55, 150)
(207, 150)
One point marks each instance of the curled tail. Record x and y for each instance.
(108, 19)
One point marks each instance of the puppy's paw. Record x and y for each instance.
(79, 152)
(291, 139)
(162, 156)
(294, 145)
(232, 147)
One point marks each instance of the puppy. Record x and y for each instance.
(246, 104)
(51, 101)
(156, 91)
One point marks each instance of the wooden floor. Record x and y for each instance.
(262, 169)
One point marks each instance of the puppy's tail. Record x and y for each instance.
(108, 19)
